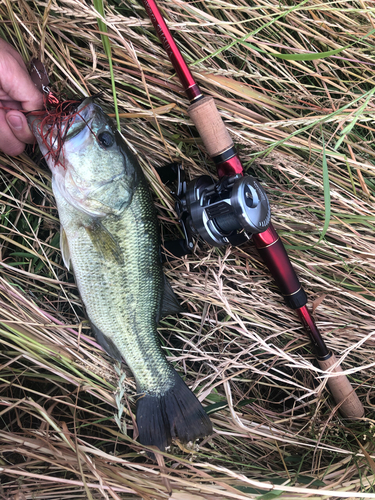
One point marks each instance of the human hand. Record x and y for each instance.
(17, 92)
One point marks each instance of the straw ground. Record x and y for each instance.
(294, 83)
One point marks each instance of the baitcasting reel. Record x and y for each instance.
(226, 211)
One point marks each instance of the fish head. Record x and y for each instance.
(92, 166)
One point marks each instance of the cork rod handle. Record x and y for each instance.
(210, 126)
(342, 391)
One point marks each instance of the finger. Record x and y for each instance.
(9, 105)
(5, 46)
(16, 82)
(8, 141)
(19, 126)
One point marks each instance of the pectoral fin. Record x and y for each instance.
(106, 343)
(64, 247)
(104, 242)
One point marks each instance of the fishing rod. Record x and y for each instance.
(236, 208)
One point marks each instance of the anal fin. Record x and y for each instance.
(106, 343)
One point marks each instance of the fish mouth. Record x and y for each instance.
(67, 126)
(81, 118)
(76, 127)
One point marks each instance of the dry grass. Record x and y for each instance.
(240, 348)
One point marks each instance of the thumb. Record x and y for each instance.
(19, 126)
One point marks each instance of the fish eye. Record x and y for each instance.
(106, 139)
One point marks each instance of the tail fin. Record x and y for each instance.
(175, 414)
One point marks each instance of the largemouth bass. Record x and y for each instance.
(110, 238)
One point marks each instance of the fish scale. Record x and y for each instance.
(110, 236)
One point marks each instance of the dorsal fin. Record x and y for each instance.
(170, 303)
